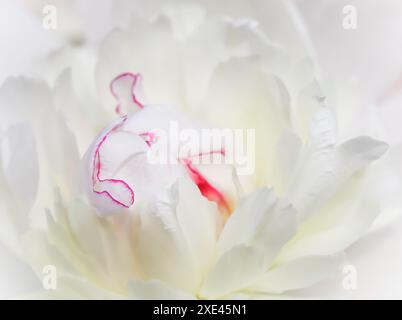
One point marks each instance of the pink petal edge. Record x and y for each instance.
(97, 168)
(135, 78)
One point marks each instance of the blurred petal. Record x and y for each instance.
(259, 104)
(224, 279)
(174, 237)
(326, 166)
(299, 273)
(262, 221)
(23, 175)
(348, 216)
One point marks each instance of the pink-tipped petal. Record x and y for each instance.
(123, 88)
(118, 191)
(111, 187)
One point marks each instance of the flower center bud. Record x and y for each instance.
(121, 173)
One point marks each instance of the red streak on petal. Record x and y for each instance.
(134, 79)
(149, 138)
(201, 154)
(206, 188)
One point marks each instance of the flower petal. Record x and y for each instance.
(201, 226)
(260, 220)
(299, 273)
(22, 171)
(176, 237)
(347, 216)
(324, 166)
(259, 104)
(235, 269)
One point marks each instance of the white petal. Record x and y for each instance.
(324, 167)
(237, 268)
(347, 217)
(262, 221)
(242, 225)
(18, 182)
(258, 104)
(129, 51)
(200, 221)
(57, 152)
(299, 273)
(116, 165)
(365, 45)
(22, 171)
(115, 255)
(338, 202)
(71, 244)
(289, 149)
(164, 251)
(81, 114)
(278, 20)
(30, 42)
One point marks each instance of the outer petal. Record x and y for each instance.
(129, 51)
(261, 221)
(298, 274)
(278, 20)
(324, 166)
(200, 227)
(260, 103)
(57, 152)
(236, 268)
(175, 241)
(30, 41)
(347, 217)
(71, 244)
(18, 183)
(250, 240)
(371, 43)
(170, 77)
(242, 226)
(22, 169)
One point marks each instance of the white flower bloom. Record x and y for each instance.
(118, 226)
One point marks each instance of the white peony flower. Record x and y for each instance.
(119, 226)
